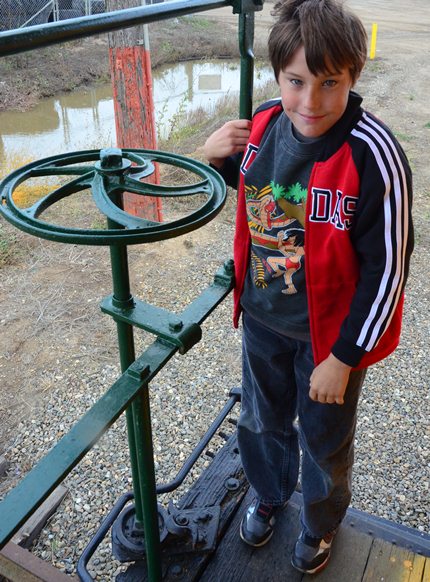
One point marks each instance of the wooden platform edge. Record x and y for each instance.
(389, 531)
(384, 529)
(33, 526)
(18, 564)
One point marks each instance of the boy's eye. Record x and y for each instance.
(330, 83)
(296, 82)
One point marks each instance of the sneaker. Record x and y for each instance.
(311, 555)
(257, 524)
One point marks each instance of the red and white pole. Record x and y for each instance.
(130, 65)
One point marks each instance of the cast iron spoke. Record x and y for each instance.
(130, 185)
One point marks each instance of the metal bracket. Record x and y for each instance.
(164, 324)
(194, 530)
(128, 541)
(182, 330)
(181, 531)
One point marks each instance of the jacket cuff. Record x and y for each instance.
(347, 352)
(229, 172)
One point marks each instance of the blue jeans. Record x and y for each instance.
(277, 415)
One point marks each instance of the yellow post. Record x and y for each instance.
(373, 41)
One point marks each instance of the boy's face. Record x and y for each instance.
(313, 104)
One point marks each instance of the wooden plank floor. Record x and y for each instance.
(361, 552)
(356, 556)
(366, 549)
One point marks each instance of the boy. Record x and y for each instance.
(322, 246)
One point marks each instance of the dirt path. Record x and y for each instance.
(409, 26)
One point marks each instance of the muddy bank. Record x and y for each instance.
(28, 77)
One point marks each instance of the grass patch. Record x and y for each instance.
(402, 136)
(31, 190)
(99, 223)
(11, 239)
(24, 78)
(199, 23)
(190, 130)
(184, 132)
(374, 66)
(5, 247)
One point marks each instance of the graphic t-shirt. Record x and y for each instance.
(275, 192)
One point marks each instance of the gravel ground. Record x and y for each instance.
(393, 445)
(185, 397)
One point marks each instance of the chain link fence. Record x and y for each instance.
(21, 13)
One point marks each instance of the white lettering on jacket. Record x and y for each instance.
(332, 207)
(248, 158)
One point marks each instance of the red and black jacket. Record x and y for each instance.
(358, 235)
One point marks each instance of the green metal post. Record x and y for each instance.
(246, 44)
(138, 423)
(145, 462)
(123, 298)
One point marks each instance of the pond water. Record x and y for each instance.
(85, 119)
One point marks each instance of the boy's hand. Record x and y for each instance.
(329, 380)
(230, 139)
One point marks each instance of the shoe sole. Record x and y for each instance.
(314, 570)
(255, 545)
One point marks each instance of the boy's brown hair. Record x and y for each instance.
(333, 37)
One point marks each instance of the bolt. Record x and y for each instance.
(223, 435)
(229, 267)
(138, 372)
(176, 325)
(111, 158)
(181, 519)
(176, 570)
(203, 516)
(112, 163)
(231, 484)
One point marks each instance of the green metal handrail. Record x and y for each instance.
(30, 493)
(175, 333)
(20, 40)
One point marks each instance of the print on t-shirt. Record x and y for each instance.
(276, 218)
